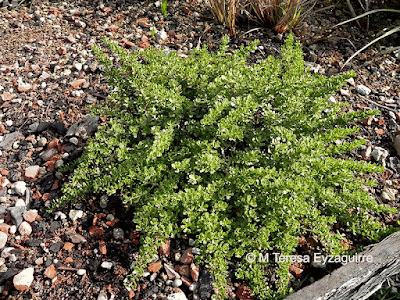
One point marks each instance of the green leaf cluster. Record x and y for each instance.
(243, 157)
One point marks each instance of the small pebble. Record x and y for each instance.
(153, 276)
(177, 256)
(42, 142)
(177, 283)
(60, 215)
(74, 141)
(81, 272)
(195, 251)
(107, 265)
(118, 233)
(193, 286)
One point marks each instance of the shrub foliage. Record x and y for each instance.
(243, 157)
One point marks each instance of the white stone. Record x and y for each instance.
(59, 215)
(102, 296)
(332, 99)
(351, 81)
(13, 229)
(19, 202)
(196, 251)
(25, 228)
(380, 154)
(162, 35)
(107, 265)
(20, 187)
(5, 182)
(23, 280)
(3, 239)
(78, 66)
(344, 92)
(193, 286)
(81, 272)
(75, 214)
(177, 283)
(177, 296)
(363, 90)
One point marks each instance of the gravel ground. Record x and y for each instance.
(48, 76)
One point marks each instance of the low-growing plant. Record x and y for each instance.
(164, 7)
(244, 158)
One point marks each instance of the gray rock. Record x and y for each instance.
(16, 214)
(191, 243)
(172, 274)
(48, 154)
(363, 90)
(394, 164)
(33, 127)
(28, 198)
(20, 187)
(84, 128)
(59, 163)
(380, 154)
(77, 239)
(118, 234)
(9, 140)
(205, 284)
(90, 99)
(103, 201)
(42, 142)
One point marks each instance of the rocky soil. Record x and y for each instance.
(48, 76)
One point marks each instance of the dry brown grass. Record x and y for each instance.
(225, 12)
(281, 14)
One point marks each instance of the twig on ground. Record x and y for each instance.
(380, 105)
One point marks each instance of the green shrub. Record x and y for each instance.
(243, 157)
